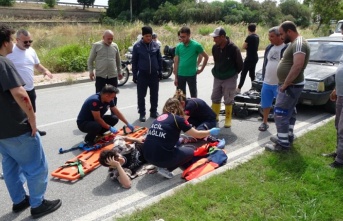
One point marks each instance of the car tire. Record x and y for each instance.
(330, 106)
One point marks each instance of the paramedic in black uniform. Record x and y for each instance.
(160, 146)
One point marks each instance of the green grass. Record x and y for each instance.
(298, 185)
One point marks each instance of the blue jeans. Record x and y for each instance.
(24, 155)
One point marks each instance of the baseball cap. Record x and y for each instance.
(218, 32)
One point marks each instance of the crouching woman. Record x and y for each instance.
(160, 146)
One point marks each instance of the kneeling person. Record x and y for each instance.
(92, 119)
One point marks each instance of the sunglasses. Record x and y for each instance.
(26, 42)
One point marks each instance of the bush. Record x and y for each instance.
(68, 58)
(50, 3)
(7, 2)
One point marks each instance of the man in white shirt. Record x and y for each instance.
(272, 57)
(26, 61)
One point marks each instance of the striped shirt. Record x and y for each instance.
(299, 45)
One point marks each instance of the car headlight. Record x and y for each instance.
(314, 86)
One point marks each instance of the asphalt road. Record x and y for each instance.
(96, 197)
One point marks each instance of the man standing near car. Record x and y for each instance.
(185, 62)
(290, 72)
(147, 71)
(106, 56)
(228, 63)
(272, 57)
(25, 60)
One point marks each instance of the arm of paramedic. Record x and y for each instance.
(120, 116)
(98, 118)
(123, 178)
(197, 133)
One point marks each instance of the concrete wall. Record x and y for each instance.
(30, 14)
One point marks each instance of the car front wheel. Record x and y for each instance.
(330, 106)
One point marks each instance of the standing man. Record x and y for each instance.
(26, 61)
(272, 57)
(185, 62)
(92, 119)
(228, 63)
(251, 46)
(337, 95)
(290, 73)
(147, 72)
(20, 144)
(106, 56)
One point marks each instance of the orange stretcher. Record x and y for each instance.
(87, 161)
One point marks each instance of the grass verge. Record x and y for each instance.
(298, 185)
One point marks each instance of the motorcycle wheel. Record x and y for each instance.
(166, 74)
(125, 73)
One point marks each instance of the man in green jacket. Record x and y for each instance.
(228, 63)
(106, 56)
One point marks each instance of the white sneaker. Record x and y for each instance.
(165, 173)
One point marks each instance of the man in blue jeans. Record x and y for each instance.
(20, 144)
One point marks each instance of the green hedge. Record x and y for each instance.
(68, 58)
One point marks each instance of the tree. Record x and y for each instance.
(50, 3)
(7, 2)
(270, 14)
(301, 13)
(86, 3)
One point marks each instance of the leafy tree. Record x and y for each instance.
(300, 12)
(7, 2)
(50, 3)
(86, 3)
(271, 14)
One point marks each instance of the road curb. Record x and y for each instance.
(231, 165)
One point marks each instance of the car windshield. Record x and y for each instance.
(326, 51)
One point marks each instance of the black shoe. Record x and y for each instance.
(41, 133)
(333, 155)
(47, 206)
(142, 118)
(16, 208)
(154, 115)
(335, 164)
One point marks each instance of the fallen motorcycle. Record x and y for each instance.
(167, 64)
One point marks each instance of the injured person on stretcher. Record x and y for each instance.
(125, 160)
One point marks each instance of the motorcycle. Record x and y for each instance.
(167, 64)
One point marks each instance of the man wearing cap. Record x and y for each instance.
(106, 56)
(228, 63)
(185, 62)
(147, 71)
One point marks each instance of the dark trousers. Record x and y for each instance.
(192, 84)
(144, 82)
(93, 128)
(100, 82)
(248, 66)
(32, 96)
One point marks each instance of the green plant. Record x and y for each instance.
(205, 30)
(7, 2)
(50, 3)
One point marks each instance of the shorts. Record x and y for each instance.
(268, 93)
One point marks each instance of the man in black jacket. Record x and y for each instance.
(147, 71)
(228, 63)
